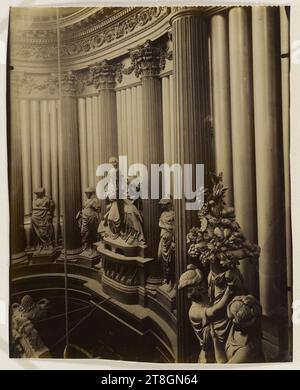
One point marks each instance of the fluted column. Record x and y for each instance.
(243, 149)
(285, 87)
(26, 166)
(54, 164)
(17, 236)
(35, 144)
(221, 101)
(269, 159)
(146, 62)
(90, 145)
(71, 190)
(45, 146)
(192, 142)
(103, 76)
(83, 144)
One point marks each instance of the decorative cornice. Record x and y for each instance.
(147, 60)
(86, 36)
(103, 75)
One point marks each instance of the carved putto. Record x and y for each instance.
(26, 341)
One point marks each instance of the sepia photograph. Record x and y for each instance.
(149, 183)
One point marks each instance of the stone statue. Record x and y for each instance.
(202, 311)
(218, 245)
(42, 217)
(243, 344)
(25, 339)
(88, 219)
(112, 223)
(166, 248)
(123, 220)
(133, 224)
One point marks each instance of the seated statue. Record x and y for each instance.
(88, 219)
(42, 217)
(112, 222)
(243, 344)
(166, 247)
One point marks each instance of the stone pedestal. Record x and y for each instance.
(124, 271)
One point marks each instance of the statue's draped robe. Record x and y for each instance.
(165, 248)
(133, 224)
(90, 220)
(42, 220)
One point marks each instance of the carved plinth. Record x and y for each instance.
(44, 256)
(166, 297)
(89, 258)
(124, 270)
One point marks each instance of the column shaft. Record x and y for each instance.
(152, 154)
(243, 151)
(26, 154)
(71, 174)
(83, 144)
(45, 147)
(90, 145)
(192, 139)
(221, 101)
(54, 164)
(269, 160)
(108, 124)
(17, 237)
(35, 144)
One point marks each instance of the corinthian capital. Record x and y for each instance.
(103, 75)
(148, 59)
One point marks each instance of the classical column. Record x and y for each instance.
(221, 100)
(129, 126)
(140, 142)
(104, 79)
(90, 145)
(83, 144)
(71, 190)
(146, 60)
(96, 134)
(269, 158)
(45, 146)
(192, 138)
(285, 93)
(26, 166)
(54, 164)
(243, 149)
(166, 119)
(17, 236)
(35, 144)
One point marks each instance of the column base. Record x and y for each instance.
(166, 296)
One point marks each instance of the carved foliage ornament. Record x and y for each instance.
(104, 75)
(147, 60)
